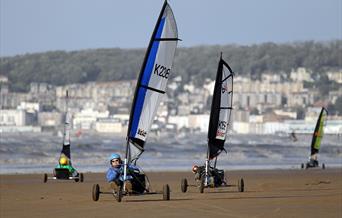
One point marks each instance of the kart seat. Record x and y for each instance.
(61, 173)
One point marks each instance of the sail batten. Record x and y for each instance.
(167, 39)
(228, 108)
(151, 84)
(227, 77)
(153, 89)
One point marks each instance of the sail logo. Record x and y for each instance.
(224, 88)
(142, 132)
(220, 135)
(161, 71)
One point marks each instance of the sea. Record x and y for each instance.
(22, 153)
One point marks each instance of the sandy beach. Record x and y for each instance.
(268, 193)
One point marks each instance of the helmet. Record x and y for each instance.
(194, 168)
(114, 156)
(63, 161)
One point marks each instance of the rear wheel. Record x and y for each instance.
(81, 177)
(96, 192)
(323, 166)
(302, 166)
(166, 192)
(241, 185)
(201, 186)
(45, 178)
(184, 185)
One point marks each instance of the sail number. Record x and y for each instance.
(222, 125)
(161, 71)
(142, 132)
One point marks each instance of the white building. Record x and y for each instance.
(51, 119)
(194, 121)
(180, 121)
(241, 127)
(271, 77)
(108, 126)
(301, 74)
(199, 121)
(335, 76)
(86, 119)
(30, 107)
(291, 114)
(12, 118)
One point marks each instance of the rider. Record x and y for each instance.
(64, 163)
(115, 173)
(216, 176)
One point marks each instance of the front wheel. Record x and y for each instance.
(45, 178)
(118, 195)
(96, 192)
(241, 185)
(166, 192)
(81, 177)
(184, 185)
(302, 166)
(323, 166)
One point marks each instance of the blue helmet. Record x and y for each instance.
(114, 156)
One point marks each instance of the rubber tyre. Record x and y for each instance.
(166, 192)
(323, 166)
(241, 185)
(201, 187)
(81, 177)
(118, 196)
(184, 185)
(96, 192)
(45, 178)
(302, 166)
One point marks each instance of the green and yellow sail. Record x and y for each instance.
(318, 133)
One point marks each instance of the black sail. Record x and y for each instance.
(221, 108)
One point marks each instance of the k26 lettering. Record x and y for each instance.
(161, 71)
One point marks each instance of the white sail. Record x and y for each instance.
(153, 79)
(67, 127)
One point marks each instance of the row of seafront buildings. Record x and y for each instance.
(265, 106)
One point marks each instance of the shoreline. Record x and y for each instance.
(98, 169)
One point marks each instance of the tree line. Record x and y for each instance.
(192, 63)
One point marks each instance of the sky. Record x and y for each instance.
(30, 26)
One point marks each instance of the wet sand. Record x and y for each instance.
(268, 193)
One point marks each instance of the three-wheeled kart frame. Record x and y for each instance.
(312, 164)
(63, 174)
(210, 177)
(140, 186)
